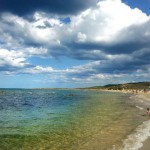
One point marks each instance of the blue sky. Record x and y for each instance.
(66, 44)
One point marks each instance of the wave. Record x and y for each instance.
(135, 141)
(141, 108)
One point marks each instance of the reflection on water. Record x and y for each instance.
(65, 119)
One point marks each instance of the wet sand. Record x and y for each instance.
(146, 145)
(144, 97)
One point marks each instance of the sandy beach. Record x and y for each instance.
(143, 97)
(146, 145)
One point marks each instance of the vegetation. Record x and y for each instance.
(126, 86)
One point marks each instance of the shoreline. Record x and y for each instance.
(144, 136)
(146, 143)
(141, 136)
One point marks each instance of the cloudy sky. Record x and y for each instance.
(73, 43)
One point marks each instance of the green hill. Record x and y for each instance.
(138, 85)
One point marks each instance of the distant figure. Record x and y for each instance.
(148, 111)
(145, 91)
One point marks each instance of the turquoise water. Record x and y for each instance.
(65, 119)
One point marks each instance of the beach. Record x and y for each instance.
(146, 143)
(140, 138)
(142, 133)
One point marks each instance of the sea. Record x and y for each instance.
(46, 119)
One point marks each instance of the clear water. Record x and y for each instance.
(66, 119)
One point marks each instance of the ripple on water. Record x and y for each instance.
(66, 119)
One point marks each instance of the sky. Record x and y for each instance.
(77, 43)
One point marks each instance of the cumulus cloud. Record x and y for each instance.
(100, 28)
(81, 37)
(18, 31)
(11, 59)
(85, 75)
(112, 36)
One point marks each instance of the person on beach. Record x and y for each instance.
(148, 111)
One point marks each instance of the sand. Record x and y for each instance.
(141, 96)
(146, 145)
(144, 97)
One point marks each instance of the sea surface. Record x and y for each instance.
(42, 119)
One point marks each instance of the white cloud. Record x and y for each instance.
(24, 32)
(18, 58)
(104, 22)
(81, 37)
(38, 69)
(108, 23)
(12, 58)
(81, 68)
(31, 51)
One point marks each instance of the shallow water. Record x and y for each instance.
(66, 119)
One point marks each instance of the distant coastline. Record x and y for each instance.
(118, 87)
(125, 86)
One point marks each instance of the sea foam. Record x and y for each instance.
(135, 141)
